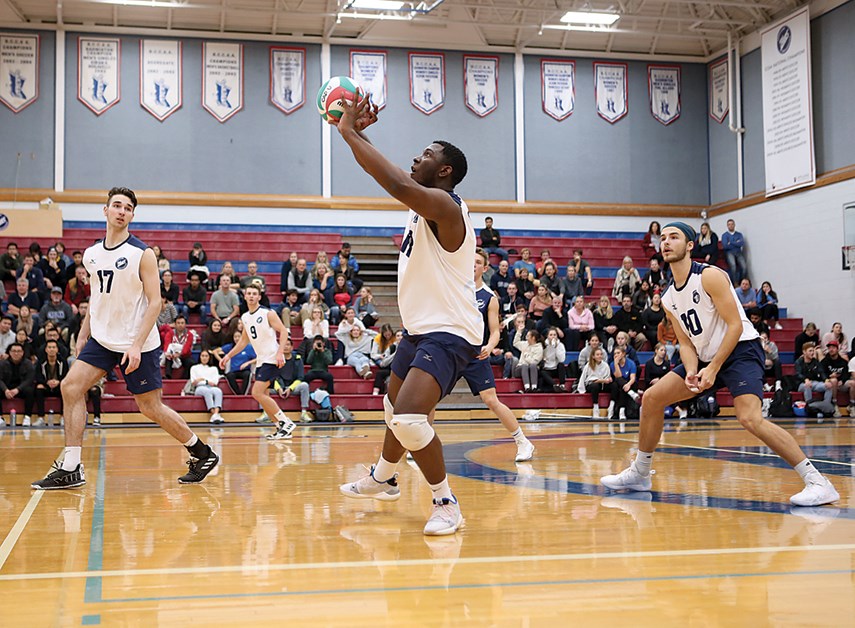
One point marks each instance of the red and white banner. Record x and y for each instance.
(222, 79)
(161, 79)
(558, 87)
(663, 86)
(719, 90)
(427, 81)
(481, 83)
(19, 69)
(287, 78)
(99, 81)
(368, 69)
(611, 90)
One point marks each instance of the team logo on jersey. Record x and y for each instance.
(259, 319)
(122, 263)
(479, 303)
(696, 297)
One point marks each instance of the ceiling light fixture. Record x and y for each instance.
(590, 17)
(375, 5)
(155, 4)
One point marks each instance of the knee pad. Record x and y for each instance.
(412, 430)
(388, 411)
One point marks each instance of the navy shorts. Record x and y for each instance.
(444, 356)
(266, 372)
(743, 371)
(145, 379)
(479, 375)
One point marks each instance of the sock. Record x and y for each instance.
(442, 490)
(518, 436)
(282, 418)
(71, 458)
(191, 442)
(197, 448)
(384, 470)
(807, 471)
(643, 461)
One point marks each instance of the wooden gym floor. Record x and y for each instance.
(270, 541)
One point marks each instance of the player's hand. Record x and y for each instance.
(706, 377)
(224, 363)
(485, 353)
(280, 359)
(692, 382)
(132, 358)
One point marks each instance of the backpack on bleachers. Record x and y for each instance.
(782, 405)
(633, 410)
(705, 406)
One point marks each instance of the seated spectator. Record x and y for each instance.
(71, 269)
(363, 303)
(339, 298)
(322, 277)
(706, 245)
(203, 381)
(225, 305)
(23, 296)
(593, 344)
(290, 313)
(553, 372)
(525, 286)
(656, 277)
(168, 289)
(511, 301)
(773, 362)
(556, 316)
(27, 343)
(166, 318)
(300, 281)
(837, 370)
(622, 341)
(35, 250)
(195, 297)
(316, 299)
(289, 380)
(810, 334)
(652, 240)
(53, 270)
(7, 336)
(57, 312)
(345, 263)
(252, 278)
(627, 279)
(239, 370)
(77, 289)
(628, 319)
(74, 328)
(357, 348)
(162, 260)
(581, 324)
(51, 334)
(746, 294)
(652, 316)
(10, 262)
(756, 319)
(60, 250)
(571, 286)
(501, 279)
(285, 271)
(27, 322)
(733, 245)
(596, 378)
(198, 263)
(643, 296)
(624, 383)
(317, 325)
(542, 301)
(550, 278)
(604, 322)
(491, 240)
(229, 270)
(516, 338)
(583, 271)
(49, 375)
(767, 301)
(656, 367)
(319, 359)
(530, 347)
(17, 381)
(177, 347)
(812, 375)
(837, 334)
(525, 262)
(667, 336)
(382, 353)
(540, 265)
(321, 257)
(213, 339)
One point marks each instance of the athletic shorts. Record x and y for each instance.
(266, 372)
(444, 356)
(479, 375)
(145, 379)
(743, 371)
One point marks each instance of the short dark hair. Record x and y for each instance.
(252, 286)
(76, 253)
(15, 344)
(488, 218)
(52, 341)
(15, 244)
(124, 192)
(454, 157)
(182, 317)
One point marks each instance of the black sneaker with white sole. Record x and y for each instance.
(199, 468)
(59, 478)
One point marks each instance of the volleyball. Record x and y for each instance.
(332, 94)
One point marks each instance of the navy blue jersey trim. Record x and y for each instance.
(456, 199)
(696, 269)
(113, 248)
(136, 242)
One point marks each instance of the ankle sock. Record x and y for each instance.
(807, 471)
(71, 458)
(643, 462)
(518, 436)
(442, 490)
(198, 449)
(281, 417)
(384, 470)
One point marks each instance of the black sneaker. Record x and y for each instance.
(59, 478)
(199, 468)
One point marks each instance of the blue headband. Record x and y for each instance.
(686, 229)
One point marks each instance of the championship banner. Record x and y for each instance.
(427, 81)
(222, 79)
(481, 83)
(611, 90)
(719, 90)
(19, 70)
(787, 107)
(98, 79)
(558, 87)
(663, 85)
(161, 84)
(287, 78)
(368, 68)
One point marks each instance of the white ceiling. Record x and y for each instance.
(684, 28)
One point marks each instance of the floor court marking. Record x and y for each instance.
(741, 453)
(474, 560)
(18, 529)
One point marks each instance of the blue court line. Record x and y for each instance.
(747, 455)
(90, 620)
(96, 537)
(483, 585)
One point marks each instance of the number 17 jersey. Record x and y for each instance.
(697, 315)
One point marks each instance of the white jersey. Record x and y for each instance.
(261, 335)
(697, 315)
(436, 288)
(118, 302)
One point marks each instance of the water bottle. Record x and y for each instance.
(13, 418)
(50, 419)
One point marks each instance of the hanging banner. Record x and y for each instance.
(287, 78)
(558, 87)
(368, 68)
(161, 84)
(222, 79)
(787, 106)
(427, 81)
(611, 91)
(481, 83)
(719, 90)
(663, 85)
(19, 70)
(98, 79)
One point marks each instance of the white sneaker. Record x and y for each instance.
(305, 417)
(634, 395)
(628, 479)
(25, 422)
(525, 451)
(263, 418)
(837, 414)
(39, 422)
(367, 487)
(284, 431)
(445, 519)
(595, 412)
(217, 419)
(2, 422)
(852, 410)
(622, 414)
(816, 494)
(778, 326)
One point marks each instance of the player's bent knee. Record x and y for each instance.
(751, 423)
(413, 431)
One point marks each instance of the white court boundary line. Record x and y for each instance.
(18, 529)
(476, 560)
